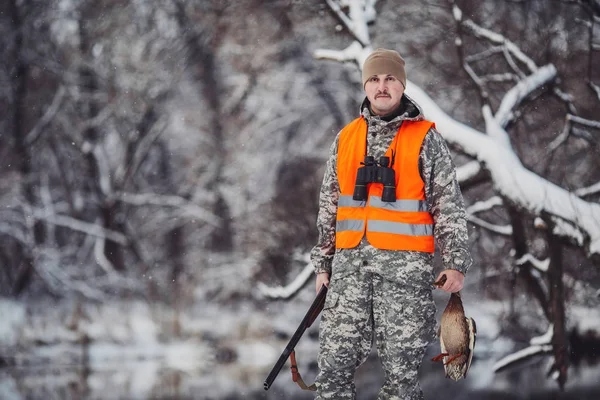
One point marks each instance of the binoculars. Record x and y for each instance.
(373, 172)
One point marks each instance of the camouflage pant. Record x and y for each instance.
(362, 307)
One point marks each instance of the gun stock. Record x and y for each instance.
(309, 318)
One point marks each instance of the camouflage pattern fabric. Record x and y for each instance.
(364, 279)
(364, 306)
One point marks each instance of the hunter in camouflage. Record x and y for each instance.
(380, 295)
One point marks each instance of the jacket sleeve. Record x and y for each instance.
(445, 201)
(322, 254)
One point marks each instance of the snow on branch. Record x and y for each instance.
(80, 226)
(504, 77)
(287, 291)
(560, 139)
(468, 171)
(11, 231)
(544, 339)
(539, 345)
(355, 52)
(481, 206)
(360, 13)
(521, 356)
(61, 277)
(493, 128)
(154, 199)
(499, 39)
(98, 119)
(569, 128)
(583, 121)
(586, 191)
(486, 205)
(35, 132)
(505, 230)
(521, 90)
(482, 55)
(541, 265)
(101, 258)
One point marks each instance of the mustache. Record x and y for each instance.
(384, 93)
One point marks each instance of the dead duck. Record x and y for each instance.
(457, 337)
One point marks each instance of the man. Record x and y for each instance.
(376, 256)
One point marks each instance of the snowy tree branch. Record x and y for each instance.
(541, 265)
(289, 290)
(521, 91)
(355, 52)
(154, 199)
(590, 190)
(512, 49)
(360, 13)
(51, 111)
(80, 226)
(521, 356)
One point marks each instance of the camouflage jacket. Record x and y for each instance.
(443, 197)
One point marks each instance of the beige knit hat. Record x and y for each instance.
(383, 61)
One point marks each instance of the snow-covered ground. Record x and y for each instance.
(127, 351)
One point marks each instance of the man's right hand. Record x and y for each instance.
(322, 279)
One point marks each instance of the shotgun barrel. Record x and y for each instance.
(309, 318)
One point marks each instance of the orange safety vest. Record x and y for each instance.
(405, 224)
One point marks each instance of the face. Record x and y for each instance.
(384, 92)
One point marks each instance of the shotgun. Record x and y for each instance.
(309, 318)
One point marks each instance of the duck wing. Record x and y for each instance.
(444, 350)
(472, 339)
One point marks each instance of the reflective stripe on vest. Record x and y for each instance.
(375, 201)
(400, 229)
(350, 225)
(405, 224)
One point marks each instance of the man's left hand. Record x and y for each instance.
(454, 280)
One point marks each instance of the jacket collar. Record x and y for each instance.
(412, 112)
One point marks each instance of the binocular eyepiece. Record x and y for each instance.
(375, 172)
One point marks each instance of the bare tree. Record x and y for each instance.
(95, 163)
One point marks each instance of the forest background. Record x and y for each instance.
(161, 164)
